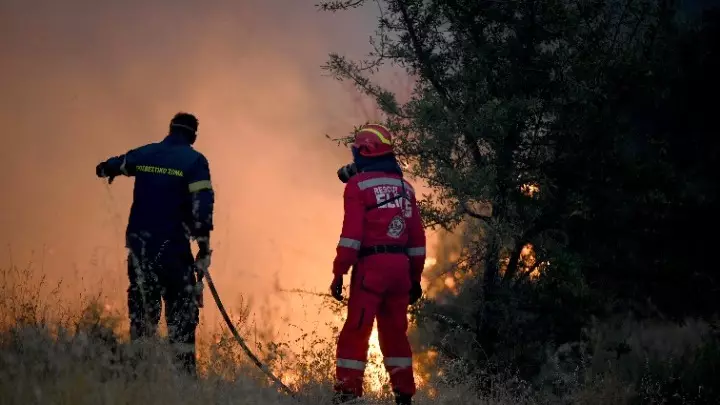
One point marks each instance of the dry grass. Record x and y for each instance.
(51, 353)
(54, 352)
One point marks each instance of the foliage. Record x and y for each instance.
(585, 127)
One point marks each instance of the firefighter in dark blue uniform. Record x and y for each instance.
(172, 204)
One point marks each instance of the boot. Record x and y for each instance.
(402, 399)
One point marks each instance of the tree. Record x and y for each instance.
(571, 120)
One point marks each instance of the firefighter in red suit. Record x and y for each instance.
(383, 239)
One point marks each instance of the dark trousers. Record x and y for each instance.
(163, 271)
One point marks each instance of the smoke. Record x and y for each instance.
(83, 80)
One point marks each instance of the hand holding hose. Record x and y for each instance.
(202, 263)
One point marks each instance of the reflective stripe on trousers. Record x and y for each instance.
(351, 364)
(402, 362)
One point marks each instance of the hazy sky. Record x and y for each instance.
(83, 80)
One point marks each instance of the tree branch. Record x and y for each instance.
(338, 5)
(426, 70)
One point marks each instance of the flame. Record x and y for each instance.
(424, 369)
(290, 378)
(376, 376)
(529, 262)
(449, 282)
(529, 189)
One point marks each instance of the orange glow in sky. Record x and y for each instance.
(81, 81)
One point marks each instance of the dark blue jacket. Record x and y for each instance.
(173, 198)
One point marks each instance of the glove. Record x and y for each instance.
(202, 263)
(100, 172)
(415, 292)
(202, 259)
(199, 293)
(336, 288)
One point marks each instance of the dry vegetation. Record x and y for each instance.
(51, 356)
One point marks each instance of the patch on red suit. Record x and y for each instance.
(396, 227)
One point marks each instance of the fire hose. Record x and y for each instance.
(259, 364)
(239, 339)
(246, 349)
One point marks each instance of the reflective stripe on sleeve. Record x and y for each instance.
(351, 364)
(417, 251)
(381, 181)
(349, 243)
(398, 361)
(200, 185)
(123, 167)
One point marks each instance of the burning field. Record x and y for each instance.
(60, 350)
(61, 343)
(55, 351)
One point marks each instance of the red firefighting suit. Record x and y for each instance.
(386, 246)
